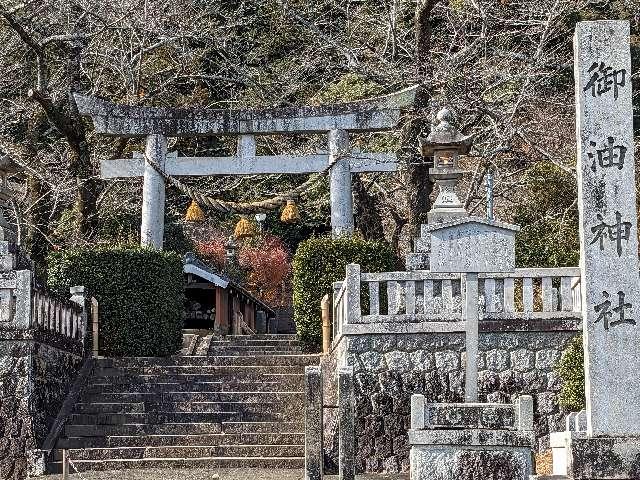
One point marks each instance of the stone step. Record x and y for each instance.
(548, 477)
(173, 463)
(230, 427)
(237, 370)
(259, 336)
(227, 427)
(157, 418)
(249, 340)
(233, 377)
(250, 352)
(139, 453)
(299, 349)
(289, 384)
(182, 440)
(188, 407)
(142, 429)
(168, 397)
(209, 361)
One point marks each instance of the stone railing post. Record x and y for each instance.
(346, 413)
(352, 294)
(470, 316)
(417, 412)
(524, 412)
(313, 456)
(22, 316)
(78, 296)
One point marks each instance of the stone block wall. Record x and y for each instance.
(35, 378)
(517, 363)
(389, 368)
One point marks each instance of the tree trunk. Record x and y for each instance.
(37, 220)
(419, 185)
(88, 186)
(368, 219)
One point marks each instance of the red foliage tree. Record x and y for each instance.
(268, 264)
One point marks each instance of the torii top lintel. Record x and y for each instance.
(381, 113)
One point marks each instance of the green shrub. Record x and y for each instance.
(318, 263)
(140, 293)
(549, 219)
(571, 370)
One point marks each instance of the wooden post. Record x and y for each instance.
(325, 307)
(95, 326)
(222, 311)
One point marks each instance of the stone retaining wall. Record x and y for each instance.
(389, 368)
(34, 381)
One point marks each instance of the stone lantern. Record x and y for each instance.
(445, 144)
(453, 241)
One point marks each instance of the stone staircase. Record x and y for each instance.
(239, 406)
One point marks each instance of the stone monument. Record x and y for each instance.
(471, 441)
(608, 446)
(468, 440)
(453, 241)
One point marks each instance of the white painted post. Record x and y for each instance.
(470, 315)
(608, 228)
(65, 464)
(340, 184)
(153, 194)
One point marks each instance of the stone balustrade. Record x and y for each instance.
(536, 293)
(421, 300)
(63, 317)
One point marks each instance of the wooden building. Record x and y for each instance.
(214, 302)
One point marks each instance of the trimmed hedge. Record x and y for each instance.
(571, 369)
(317, 263)
(140, 292)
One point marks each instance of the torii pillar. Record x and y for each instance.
(153, 193)
(340, 184)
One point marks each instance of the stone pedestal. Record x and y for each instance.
(577, 456)
(471, 441)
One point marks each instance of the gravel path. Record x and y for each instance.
(209, 474)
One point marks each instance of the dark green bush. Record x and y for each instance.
(571, 370)
(140, 292)
(318, 263)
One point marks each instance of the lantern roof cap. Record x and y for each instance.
(445, 137)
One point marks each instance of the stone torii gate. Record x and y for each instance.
(158, 123)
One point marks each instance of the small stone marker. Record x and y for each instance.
(313, 424)
(608, 227)
(347, 439)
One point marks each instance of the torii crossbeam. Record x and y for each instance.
(158, 123)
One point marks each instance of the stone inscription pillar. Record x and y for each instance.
(313, 457)
(346, 413)
(340, 184)
(608, 227)
(153, 194)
